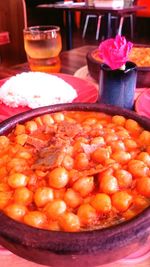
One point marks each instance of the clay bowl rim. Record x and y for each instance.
(67, 242)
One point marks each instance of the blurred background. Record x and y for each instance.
(14, 15)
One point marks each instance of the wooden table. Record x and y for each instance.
(71, 61)
(82, 7)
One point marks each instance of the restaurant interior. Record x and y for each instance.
(84, 33)
(46, 16)
(141, 23)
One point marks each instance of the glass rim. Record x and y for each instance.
(41, 28)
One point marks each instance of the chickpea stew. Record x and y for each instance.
(75, 171)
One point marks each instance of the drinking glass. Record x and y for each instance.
(43, 45)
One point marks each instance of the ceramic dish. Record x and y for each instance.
(86, 91)
(143, 79)
(87, 248)
(142, 104)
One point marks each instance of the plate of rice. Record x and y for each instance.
(30, 90)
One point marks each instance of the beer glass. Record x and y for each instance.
(43, 45)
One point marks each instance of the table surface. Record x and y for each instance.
(93, 9)
(71, 61)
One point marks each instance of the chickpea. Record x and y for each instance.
(144, 138)
(133, 127)
(129, 214)
(118, 120)
(24, 155)
(42, 196)
(81, 161)
(52, 226)
(16, 211)
(99, 140)
(78, 148)
(31, 126)
(100, 155)
(58, 117)
(130, 144)
(39, 121)
(143, 186)
(4, 141)
(35, 218)
(72, 198)
(21, 139)
(69, 222)
(47, 119)
(121, 200)
(17, 180)
(84, 185)
(117, 145)
(124, 178)
(101, 203)
(17, 165)
(58, 178)
(137, 168)
(20, 129)
(68, 162)
(23, 195)
(110, 137)
(121, 157)
(145, 157)
(108, 184)
(140, 202)
(123, 134)
(55, 208)
(87, 214)
(90, 121)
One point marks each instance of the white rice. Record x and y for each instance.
(36, 89)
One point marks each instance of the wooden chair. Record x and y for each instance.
(121, 22)
(13, 20)
(91, 16)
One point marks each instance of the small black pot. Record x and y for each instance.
(117, 87)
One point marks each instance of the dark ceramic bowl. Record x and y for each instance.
(143, 73)
(84, 249)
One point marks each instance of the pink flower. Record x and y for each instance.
(114, 52)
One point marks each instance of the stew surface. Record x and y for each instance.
(75, 171)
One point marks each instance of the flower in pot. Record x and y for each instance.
(118, 75)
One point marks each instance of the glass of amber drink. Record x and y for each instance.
(43, 45)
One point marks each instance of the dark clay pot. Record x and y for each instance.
(84, 249)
